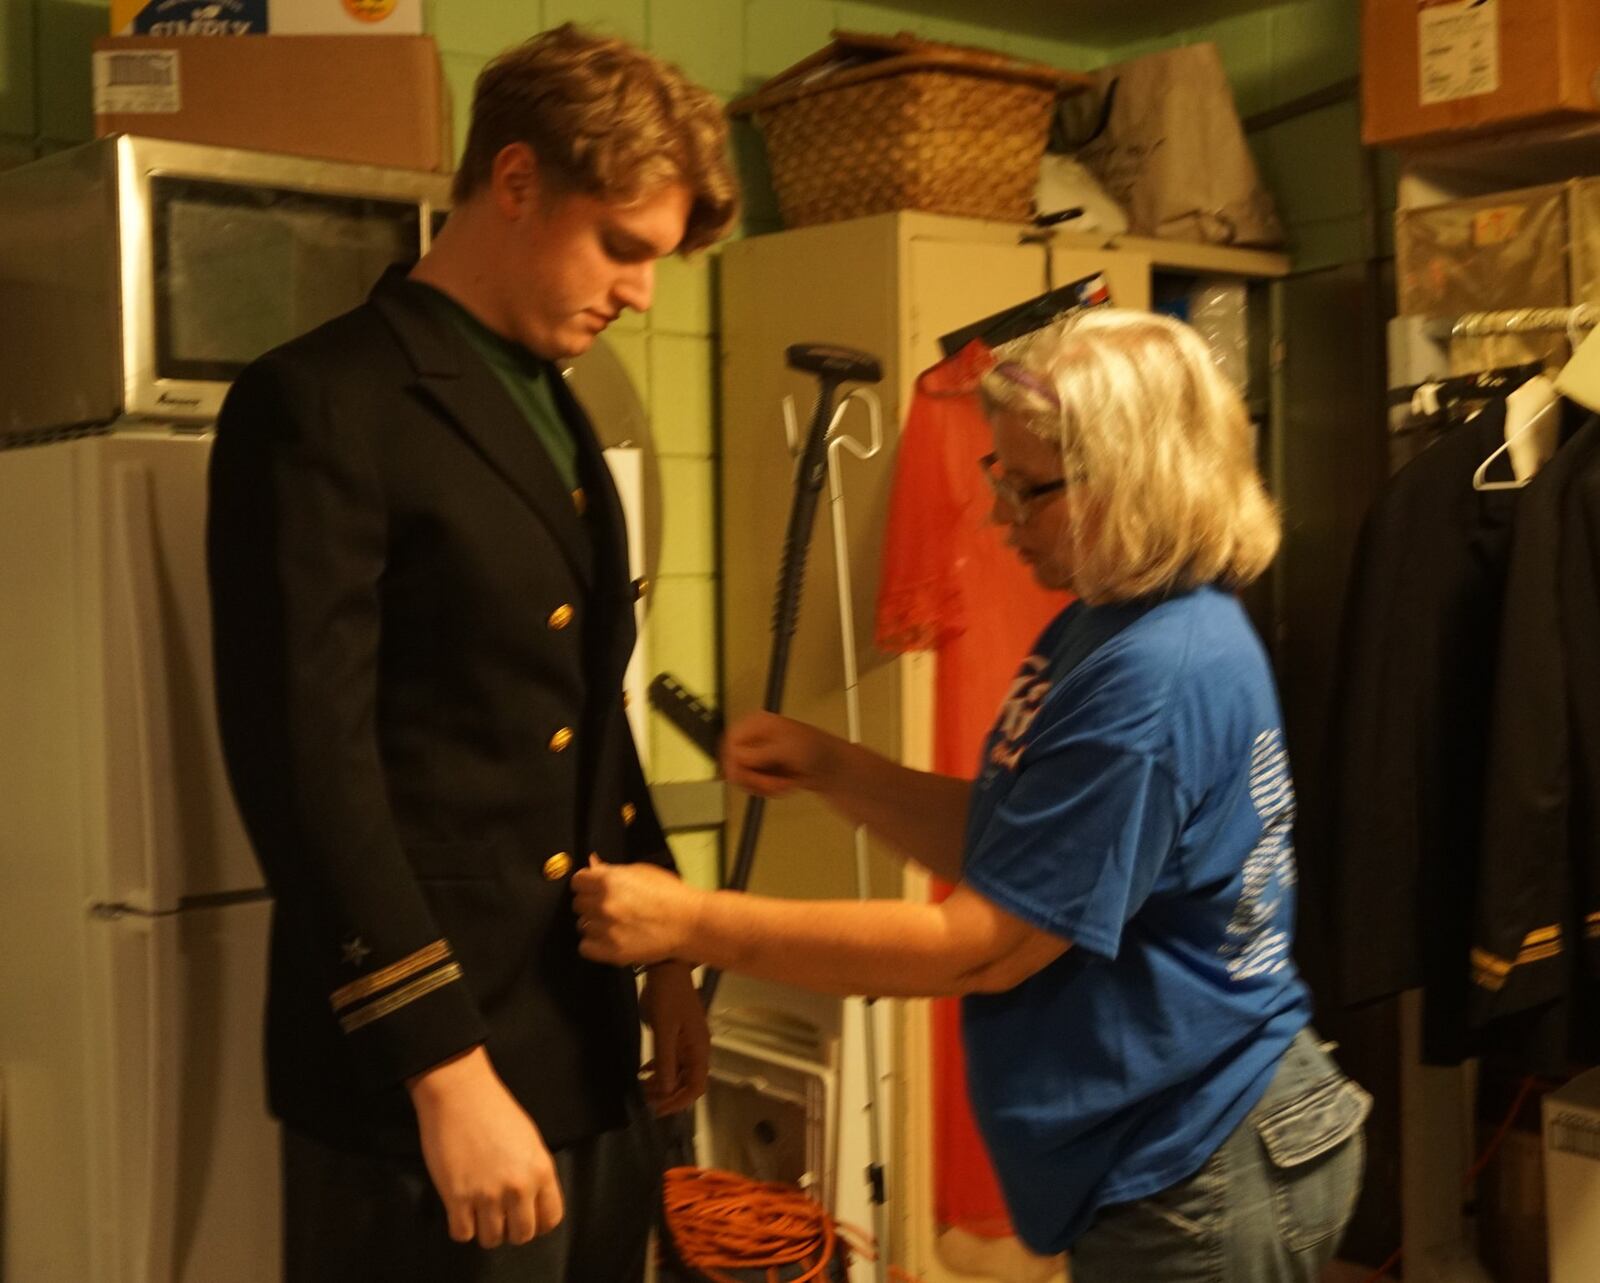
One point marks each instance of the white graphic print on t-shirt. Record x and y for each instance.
(1255, 946)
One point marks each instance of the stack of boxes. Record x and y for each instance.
(349, 80)
(1445, 76)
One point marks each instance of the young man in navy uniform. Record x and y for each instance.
(422, 615)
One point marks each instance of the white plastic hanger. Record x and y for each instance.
(1580, 380)
(1517, 435)
(1531, 441)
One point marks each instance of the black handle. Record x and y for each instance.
(834, 364)
(696, 719)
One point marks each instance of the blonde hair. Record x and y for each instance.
(605, 119)
(1157, 448)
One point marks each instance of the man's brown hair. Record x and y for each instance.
(606, 119)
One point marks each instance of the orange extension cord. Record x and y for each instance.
(1471, 1178)
(723, 1221)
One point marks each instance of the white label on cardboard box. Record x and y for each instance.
(1459, 45)
(135, 80)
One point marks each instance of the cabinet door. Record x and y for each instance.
(830, 284)
(1127, 274)
(954, 283)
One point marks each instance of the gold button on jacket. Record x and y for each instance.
(560, 740)
(560, 617)
(558, 866)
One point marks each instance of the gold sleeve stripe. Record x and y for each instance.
(391, 975)
(1489, 971)
(391, 1003)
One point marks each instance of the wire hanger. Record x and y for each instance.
(1480, 481)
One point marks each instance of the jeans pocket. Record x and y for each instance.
(1315, 1153)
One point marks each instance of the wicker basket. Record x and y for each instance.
(873, 124)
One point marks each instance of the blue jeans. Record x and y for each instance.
(1268, 1207)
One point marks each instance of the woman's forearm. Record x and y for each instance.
(922, 815)
(888, 948)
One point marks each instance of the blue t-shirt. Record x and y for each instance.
(1134, 798)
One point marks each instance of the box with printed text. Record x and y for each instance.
(262, 17)
(1435, 69)
(374, 102)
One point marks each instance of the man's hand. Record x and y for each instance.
(487, 1159)
(681, 1038)
(634, 913)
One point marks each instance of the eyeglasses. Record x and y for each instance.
(1020, 499)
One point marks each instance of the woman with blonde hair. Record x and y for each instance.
(1139, 1055)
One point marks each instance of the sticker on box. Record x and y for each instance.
(1498, 225)
(189, 17)
(369, 10)
(143, 81)
(1458, 42)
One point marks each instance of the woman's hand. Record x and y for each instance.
(769, 756)
(634, 913)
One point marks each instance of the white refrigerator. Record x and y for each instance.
(133, 922)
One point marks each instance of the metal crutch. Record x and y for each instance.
(832, 366)
(852, 703)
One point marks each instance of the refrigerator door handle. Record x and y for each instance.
(148, 1080)
(139, 594)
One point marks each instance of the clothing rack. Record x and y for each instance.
(1526, 320)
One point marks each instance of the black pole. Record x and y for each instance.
(832, 366)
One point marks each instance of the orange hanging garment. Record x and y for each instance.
(950, 585)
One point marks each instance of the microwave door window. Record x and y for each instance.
(240, 270)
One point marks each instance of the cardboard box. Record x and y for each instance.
(1572, 1179)
(375, 101)
(258, 17)
(1435, 68)
(1485, 254)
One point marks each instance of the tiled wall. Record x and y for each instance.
(732, 45)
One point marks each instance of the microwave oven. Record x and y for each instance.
(138, 276)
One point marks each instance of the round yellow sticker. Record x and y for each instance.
(369, 10)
